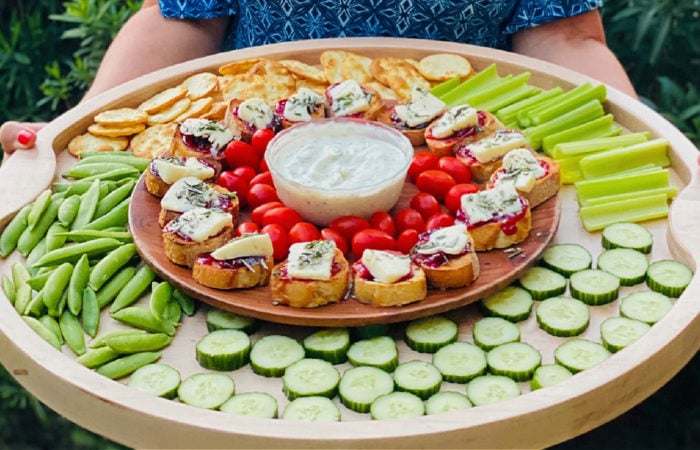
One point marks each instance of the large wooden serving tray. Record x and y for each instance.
(535, 419)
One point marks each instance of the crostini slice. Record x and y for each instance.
(303, 106)
(202, 138)
(484, 156)
(190, 192)
(535, 177)
(458, 125)
(351, 99)
(315, 274)
(413, 117)
(243, 262)
(495, 218)
(196, 231)
(245, 117)
(384, 278)
(165, 170)
(447, 257)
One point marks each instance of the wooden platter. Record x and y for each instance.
(535, 419)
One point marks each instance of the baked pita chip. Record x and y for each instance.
(356, 67)
(238, 67)
(303, 71)
(332, 63)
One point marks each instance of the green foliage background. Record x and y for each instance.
(49, 53)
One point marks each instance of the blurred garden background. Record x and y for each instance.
(49, 52)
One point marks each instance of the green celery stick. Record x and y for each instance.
(636, 209)
(443, 88)
(668, 191)
(505, 84)
(569, 170)
(588, 146)
(479, 81)
(508, 98)
(525, 117)
(625, 158)
(510, 113)
(547, 112)
(582, 114)
(619, 184)
(596, 128)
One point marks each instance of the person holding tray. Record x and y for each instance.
(166, 32)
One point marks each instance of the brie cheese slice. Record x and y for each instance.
(348, 98)
(386, 267)
(450, 240)
(256, 112)
(455, 119)
(171, 169)
(311, 260)
(494, 147)
(200, 224)
(246, 245)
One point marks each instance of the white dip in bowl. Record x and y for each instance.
(334, 167)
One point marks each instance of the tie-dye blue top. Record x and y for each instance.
(487, 23)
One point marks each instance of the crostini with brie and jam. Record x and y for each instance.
(245, 117)
(201, 138)
(484, 156)
(190, 192)
(196, 231)
(535, 177)
(302, 106)
(165, 170)
(459, 125)
(413, 117)
(350, 99)
(385, 278)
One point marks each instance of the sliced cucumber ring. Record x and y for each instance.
(446, 401)
(516, 360)
(630, 266)
(488, 389)
(360, 386)
(543, 283)
(566, 259)
(668, 277)
(580, 354)
(429, 334)
(619, 332)
(627, 235)
(512, 303)
(491, 332)
(253, 404)
(548, 375)
(563, 316)
(645, 306)
(460, 362)
(594, 286)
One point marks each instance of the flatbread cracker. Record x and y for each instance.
(356, 67)
(101, 130)
(217, 111)
(163, 99)
(332, 63)
(443, 66)
(238, 67)
(171, 113)
(399, 75)
(121, 117)
(304, 71)
(201, 85)
(153, 141)
(88, 142)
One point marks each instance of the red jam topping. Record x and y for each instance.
(363, 272)
(437, 259)
(236, 263)
(402, 124)
(283, 274)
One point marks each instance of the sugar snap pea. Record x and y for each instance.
(121, 367)
(32, 235)
(161, 294)
(56, 312)
(38, 280)
(36, 306)
(110, 264)
(117, 217)
(78, 281)
(87, 207)
(100, 341)
(135, 287)
(10, 235)
(68, 210)
(43, 332)
(23, 295)
(90, 314)
(97, 357)
(115, 174)
(72, 253)
(86, 235)
(114, 198)
(37, 252)
(56, 285)
(114, 286)
(136, 162)
(8, 287)
(54, 236)
(96, 170)
(90, 153)
(172, 313)
(52, 324)
(72, 332)
(139, 317)
(187, 303)
(135, 343)
(39, 205)
(81, 186)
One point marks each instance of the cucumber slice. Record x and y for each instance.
(253, 404)
(512, 303)
(594, 286)
(668, 277)
(446, 401)
(312, 409)
(460, 362)
(627, 235)
(223, 350)
(563, 316)
(645, 306)
(206, 390)
(360, 386)
(548, 375)
(158, 379)
(271, 354)
(619, 332)
(491, 332)
(310, 377)
(580, 354)
(566, 259)
(368, 331)
(630, 266)
(516, 360)
(218, 319)
(418, 377)
(543, 283)
(330, 344)
(429, 334)
(397, 405)
(488, 389)
(378, 352)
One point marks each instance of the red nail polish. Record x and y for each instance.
(24, 137)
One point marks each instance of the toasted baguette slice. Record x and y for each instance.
(376, 105)
(416, 134)
(400, 293)
(455, 273)
(488, 124)
(231, 274)
(490, 235)
(156, 185)
(412, 117)
(200, 138)
(226, 201)
(197, 231)
(544, 187)
(302, 293)
(243, 129)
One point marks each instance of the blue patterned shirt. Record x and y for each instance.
(487, 23)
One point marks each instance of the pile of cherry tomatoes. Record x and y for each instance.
(441, 182)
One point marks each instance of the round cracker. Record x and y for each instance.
(121, 117)
(163, 99)
(88, 142)
(201, 85)
(171, 113)
(197, 108)
(443, 66)
(101, 130)
(153, 141)
(238, 67)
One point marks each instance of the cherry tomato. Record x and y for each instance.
(459, 171)
(281, 215)
(262, 177)
(247, 227)
(303, 232)
(421, 162)
(260, 139)
(348, 226)
(371, 238)
(246, 172)
(409, 218)
(382, 220)
(426, 204)
(330, 234)
(436, 182)
(454, 195)
(406, 240)
(256, 215)
(263, 165)
(280, 240)
(239, 153)
(261, 193)
(234, 183)
(439, 220)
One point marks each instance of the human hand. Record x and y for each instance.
(18, 135)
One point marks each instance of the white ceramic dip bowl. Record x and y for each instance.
(334, 167)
